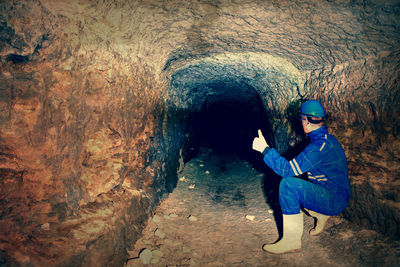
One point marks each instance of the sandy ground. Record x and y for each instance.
(222, 212)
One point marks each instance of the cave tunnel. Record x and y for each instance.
(222, 98)
(228, 115)
(227, 125)
(126, 129)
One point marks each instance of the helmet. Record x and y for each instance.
(312, 108)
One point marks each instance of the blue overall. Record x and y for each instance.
(328, 189)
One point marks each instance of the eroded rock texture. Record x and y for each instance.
(97, 100)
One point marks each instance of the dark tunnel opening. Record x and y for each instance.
(219, 106)
(225, 100)
(228, 124)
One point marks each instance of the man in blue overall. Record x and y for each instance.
(325, 194)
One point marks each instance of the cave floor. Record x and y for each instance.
(218, 215)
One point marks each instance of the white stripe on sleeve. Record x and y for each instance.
(294, 168)
(297, 166)
(322, 147)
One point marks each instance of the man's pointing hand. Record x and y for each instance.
(259, 143)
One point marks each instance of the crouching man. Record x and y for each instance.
(325, 194)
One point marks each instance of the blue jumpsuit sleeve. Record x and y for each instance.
(295, 167)
(278, 164)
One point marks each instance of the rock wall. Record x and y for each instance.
(94, 97)
(82, 151)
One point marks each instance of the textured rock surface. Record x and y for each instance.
(96, 100)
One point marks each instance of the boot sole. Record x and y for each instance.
(288, 251)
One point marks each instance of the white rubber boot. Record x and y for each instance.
(321, 222)
(292, 232)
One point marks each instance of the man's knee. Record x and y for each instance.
(287, 184)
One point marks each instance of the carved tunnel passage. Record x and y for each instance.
(225, 115)
(227, 125)
(228, 97)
